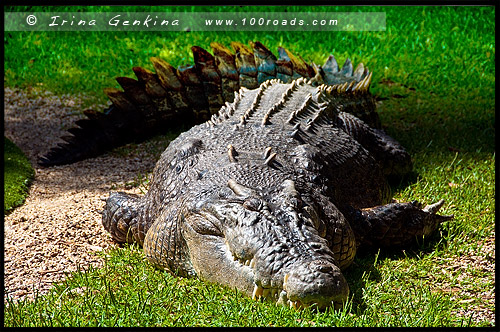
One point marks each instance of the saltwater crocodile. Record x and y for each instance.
(275, 193)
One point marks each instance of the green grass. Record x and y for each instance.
(130, 292)
(18, 174)
(435, 69)
(438, 40)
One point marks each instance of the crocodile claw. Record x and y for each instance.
(434, 208)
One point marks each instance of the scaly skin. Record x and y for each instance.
(274, 194)
(169, 98)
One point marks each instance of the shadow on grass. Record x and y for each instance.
(427, 122)
(364, 267)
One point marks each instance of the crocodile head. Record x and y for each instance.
(270, 246)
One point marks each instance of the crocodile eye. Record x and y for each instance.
(252, 204)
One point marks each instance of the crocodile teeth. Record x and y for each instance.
(284, 280)
(282, 298)
(296, 304)
(273, 294)
(257, 292)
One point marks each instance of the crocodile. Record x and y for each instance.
(276, 192)
(190, 94)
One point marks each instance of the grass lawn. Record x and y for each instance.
(18, 174)
(434, 69)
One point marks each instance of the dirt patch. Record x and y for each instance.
(58, 229)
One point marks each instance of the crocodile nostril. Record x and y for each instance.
(322, 266)
(318, 283)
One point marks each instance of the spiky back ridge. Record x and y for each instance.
(190, 94)
(313, 105)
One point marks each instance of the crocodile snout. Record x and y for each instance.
(319, 283)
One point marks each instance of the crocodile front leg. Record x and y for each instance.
(394, 224)
(121, 217)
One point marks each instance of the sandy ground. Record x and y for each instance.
(58, 229)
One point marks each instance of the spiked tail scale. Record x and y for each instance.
(191, 94)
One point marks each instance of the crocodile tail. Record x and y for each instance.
(190, 94)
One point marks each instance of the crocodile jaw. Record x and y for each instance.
(295, 281)
(318, 283)
(315, 283)
(270, 252)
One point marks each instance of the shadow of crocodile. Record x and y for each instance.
(424, 122)
(365, 269)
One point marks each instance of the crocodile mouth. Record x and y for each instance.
(285, 292)
(277, 295)
(280, 296)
